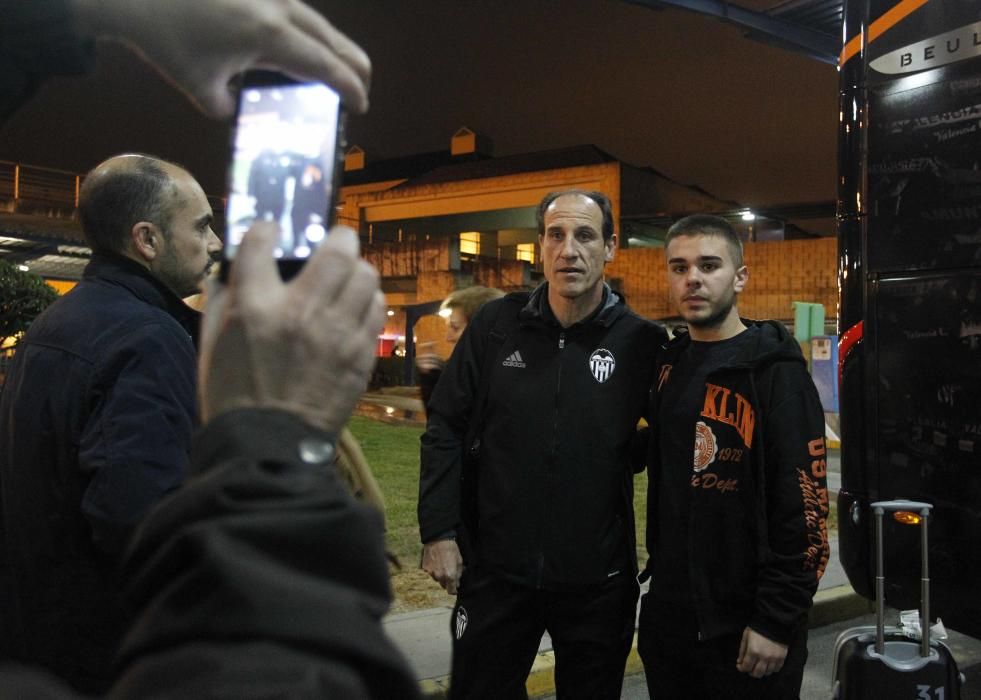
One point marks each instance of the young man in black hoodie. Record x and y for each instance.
(736, 529)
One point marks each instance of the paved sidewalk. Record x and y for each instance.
(424, 635)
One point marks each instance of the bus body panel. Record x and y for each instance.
(909, 232)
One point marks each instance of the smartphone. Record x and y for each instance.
(287, 155)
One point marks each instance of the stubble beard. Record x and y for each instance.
(177, 279)
(716, 319)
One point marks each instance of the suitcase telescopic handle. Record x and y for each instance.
(878, 509)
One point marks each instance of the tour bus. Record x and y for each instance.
(909, 232)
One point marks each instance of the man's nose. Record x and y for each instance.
(214, 243)
(569, 248)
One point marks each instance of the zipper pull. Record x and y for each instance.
(561, 340)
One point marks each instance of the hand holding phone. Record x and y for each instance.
(253, 354)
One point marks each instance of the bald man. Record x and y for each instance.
(97, 413)
(555, 382)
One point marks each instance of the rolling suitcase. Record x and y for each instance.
(876, 662)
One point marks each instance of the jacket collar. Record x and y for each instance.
(773, 343)
(538, 309)
(120, 270)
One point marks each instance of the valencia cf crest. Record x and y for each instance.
(460, 624)
(602, 364)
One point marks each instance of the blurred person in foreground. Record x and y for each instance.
(457, 308)
(199, 46)
(263, 577)
(352, 463)
(58, 37)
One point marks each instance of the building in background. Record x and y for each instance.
(440, 221)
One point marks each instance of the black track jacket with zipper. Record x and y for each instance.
(554, 479)
(757, 534)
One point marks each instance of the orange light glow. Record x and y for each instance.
(904, 517)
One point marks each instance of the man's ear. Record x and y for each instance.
(146, 240)
(742, 277)
(611, 248)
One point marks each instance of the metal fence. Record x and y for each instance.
(39, 186)
(36, 189)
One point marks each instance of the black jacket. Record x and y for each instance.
(554, 493)
(260, 578)
(758, 541)
(96, 418)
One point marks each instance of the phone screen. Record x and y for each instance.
(284, 163)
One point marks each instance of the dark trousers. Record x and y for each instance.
(497, 626)
(678, 665)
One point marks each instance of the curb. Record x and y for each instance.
(830, 605)
(837, 604)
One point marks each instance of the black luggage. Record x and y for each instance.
(875, 662)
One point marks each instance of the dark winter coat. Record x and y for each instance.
(96, 418)
(261, 578)
(554, 480)
(293, 568)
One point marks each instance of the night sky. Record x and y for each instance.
(679, 92)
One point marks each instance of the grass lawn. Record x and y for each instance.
(393, 453)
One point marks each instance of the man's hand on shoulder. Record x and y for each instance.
(442, 561)
(760, 656)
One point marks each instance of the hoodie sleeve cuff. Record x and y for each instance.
(261, 435)
(774, 630)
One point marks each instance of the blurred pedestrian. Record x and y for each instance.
(457, 308)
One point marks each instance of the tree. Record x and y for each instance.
(23, 296)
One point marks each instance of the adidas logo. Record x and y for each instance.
(514, 360)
